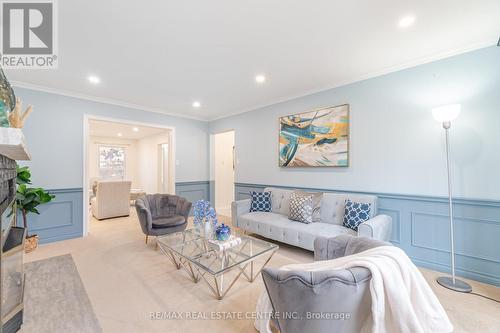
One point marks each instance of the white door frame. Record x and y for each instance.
(212, 158)
(86, 119)
(161, 168)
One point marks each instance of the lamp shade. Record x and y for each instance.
(446, 113)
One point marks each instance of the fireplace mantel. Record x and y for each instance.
(13, 144)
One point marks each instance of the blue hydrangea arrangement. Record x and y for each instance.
(204, 212)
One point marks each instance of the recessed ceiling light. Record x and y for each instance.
(119, 134)
(135, 129)
(260, 78)
(94, 79)
(196, 104)
(407, 21)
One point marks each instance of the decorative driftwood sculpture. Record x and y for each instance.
(17, 117)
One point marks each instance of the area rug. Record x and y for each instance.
(55, 299)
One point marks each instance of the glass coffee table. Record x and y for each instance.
(201, 260)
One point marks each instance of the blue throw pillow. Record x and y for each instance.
(356, 213)
(261, 201)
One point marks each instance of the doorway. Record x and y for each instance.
(224, 165)
(121, 150)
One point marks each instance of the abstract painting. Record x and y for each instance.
(318, 138)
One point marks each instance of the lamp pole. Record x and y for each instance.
(446, 126)
(447, 282)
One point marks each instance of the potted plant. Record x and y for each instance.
(27, 201)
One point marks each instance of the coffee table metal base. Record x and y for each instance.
(179, 262)
(217, 287)
(215, 283)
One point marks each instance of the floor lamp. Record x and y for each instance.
(445, 114)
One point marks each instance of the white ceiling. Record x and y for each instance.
(110, 129)
(163, 55)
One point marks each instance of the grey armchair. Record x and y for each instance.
(344, 295)
(161, 214)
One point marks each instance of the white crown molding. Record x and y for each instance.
(103, 100)
(384, 71)
(420, 61)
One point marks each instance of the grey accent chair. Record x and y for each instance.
(161, 214)
(343, 292)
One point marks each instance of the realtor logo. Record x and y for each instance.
(28, 34)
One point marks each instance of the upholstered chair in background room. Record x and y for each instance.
(161, 214)
(112, 199)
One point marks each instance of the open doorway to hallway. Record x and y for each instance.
(224, 165)
(124, 160)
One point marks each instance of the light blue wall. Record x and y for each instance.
(397, 153)
(396, 145)
(59, 219)
(54, 135)
(193, 191)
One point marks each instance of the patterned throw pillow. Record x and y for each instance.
(317, 197)
(356, 213)
(261, 201)
(301, 208)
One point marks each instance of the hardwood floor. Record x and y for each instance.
(127, 280)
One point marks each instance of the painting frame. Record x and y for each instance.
(347, 163)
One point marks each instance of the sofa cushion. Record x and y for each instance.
(366, 199)
(168, 222)
(356, 213)
(280, 200)
(280, 228)
(301, 208)
(333, 206)
(260, 201)
(317, 198)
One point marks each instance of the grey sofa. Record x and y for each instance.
(276, 225)
(161, 214)
(342, 294)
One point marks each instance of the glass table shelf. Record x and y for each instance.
(196, 255)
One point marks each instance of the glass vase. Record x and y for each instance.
(209, 230)
(7, 100)
(198, 228)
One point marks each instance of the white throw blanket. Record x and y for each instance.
(402, 301)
